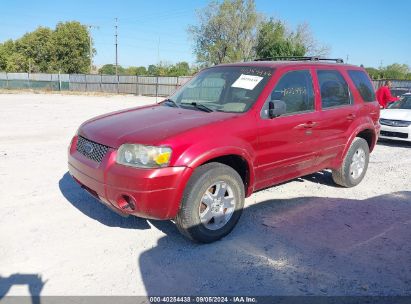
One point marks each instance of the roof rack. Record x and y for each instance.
(300, 58)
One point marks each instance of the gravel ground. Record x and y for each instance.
(304, 237)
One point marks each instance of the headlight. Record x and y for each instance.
(142, 156)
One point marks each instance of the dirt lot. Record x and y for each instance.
(305, 237)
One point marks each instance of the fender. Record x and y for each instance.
(364, 125)
(202, 152)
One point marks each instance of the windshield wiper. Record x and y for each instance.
(202, 107)
(175, 104)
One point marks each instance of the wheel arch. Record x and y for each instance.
(237, 159)
(369, 136)
(365, 131)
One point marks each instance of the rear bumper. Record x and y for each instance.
(156, 192)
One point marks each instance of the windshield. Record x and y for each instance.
(403, 103)
(399, 91)
(224, 89)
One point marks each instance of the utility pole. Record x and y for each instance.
(90, 43)
(158, 50)
(116, 36)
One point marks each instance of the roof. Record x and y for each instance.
(277, 64)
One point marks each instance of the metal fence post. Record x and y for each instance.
(101, 82)
(28, 80)
(118, 84)
(137, 89)
(7, 80)
(59, 79)
(156, 88)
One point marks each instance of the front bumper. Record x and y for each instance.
(396, 133)
(156, 192)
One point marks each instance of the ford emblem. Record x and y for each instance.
(88, 148)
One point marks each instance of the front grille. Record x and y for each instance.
(91, 149)
(394, 134)
(394, 123)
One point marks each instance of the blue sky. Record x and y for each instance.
(369, 32)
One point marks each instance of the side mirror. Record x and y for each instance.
(276, 108)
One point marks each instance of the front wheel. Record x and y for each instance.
(212, 203)
(354, 166)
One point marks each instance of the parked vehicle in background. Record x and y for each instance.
(230, 131)
(400, 91)
(396, 120)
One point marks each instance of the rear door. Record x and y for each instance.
(338, 112)
(287, 145)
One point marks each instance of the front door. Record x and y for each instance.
(287, 145)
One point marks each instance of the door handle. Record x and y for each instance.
(307, 125)
(351, 116)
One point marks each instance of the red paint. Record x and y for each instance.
(275, 150)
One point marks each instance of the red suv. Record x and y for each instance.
(230, 131)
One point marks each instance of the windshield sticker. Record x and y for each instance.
(247, 82)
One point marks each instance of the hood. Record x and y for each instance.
(396, 114)
(147, 125)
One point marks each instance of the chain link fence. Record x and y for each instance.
(139, 85)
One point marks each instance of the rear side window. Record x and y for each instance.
(334, 89)
(363, 85)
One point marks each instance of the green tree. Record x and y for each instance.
(276, 39)
(396, 71)
(65, 49)
(37, 48)
(161, 69)
(374, 73)
(152, 69)
(71, 46)
(110, 69)
(17, 63)
(179, 69)
(273, 41)
(225, 32)
(133, 70)
(3, 58)
(6, 50)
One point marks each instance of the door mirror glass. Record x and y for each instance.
(276, 108)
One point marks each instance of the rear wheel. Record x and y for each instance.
(354, 166)
(212, 203)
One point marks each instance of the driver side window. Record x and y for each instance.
(295, 89)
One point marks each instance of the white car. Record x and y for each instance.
(396, 120)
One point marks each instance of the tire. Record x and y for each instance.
(357, 157)
(201, 212)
